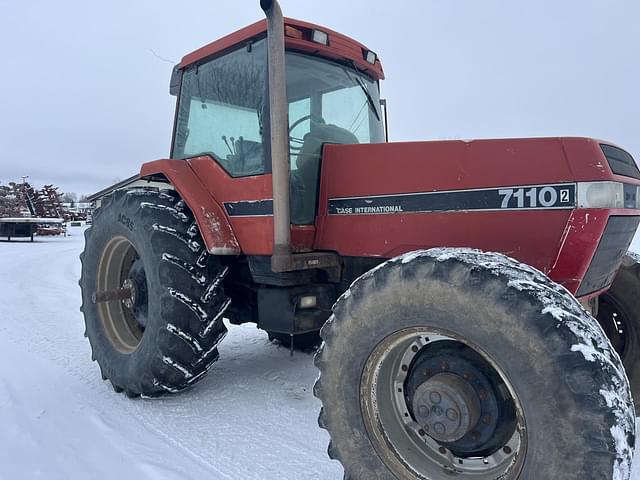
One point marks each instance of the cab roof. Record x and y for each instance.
(298, 36)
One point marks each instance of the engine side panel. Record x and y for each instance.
(459, 199)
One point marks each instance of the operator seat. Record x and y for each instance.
(249, 157)
(305, 181)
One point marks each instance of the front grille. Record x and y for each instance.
(621, 162)
(612, 248)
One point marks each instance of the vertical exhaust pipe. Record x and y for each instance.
(280, 167)
(283, 259)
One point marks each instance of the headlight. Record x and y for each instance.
(321, 37)
(370, 57)
(601, 195)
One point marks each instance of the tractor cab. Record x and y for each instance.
(223, 107)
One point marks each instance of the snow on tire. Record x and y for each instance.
(458, 362)
(163, 336)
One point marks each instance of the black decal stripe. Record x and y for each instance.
(257, 208)
(489, 199)
(559, 196)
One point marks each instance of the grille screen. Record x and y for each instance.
(621, 162)
(613, 246)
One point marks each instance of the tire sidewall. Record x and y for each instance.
(491, 317)
(122, 368)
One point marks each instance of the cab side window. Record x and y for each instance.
(221, 111)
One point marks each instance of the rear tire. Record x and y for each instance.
(619, 316)
(574, 413)
(164, 339)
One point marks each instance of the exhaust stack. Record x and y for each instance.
(283, 259)
(280, 167)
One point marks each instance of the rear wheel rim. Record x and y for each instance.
(617, 325)
(122, 321)
(406, 440)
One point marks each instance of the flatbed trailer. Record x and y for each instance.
(19, 227)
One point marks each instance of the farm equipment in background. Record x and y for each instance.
(50, 230)
(9, 202)
(28, 227)
(26, 211)
(282, 204)
(44, 203)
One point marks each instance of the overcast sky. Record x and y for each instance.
(84, 101)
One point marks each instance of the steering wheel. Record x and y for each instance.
(295, 144)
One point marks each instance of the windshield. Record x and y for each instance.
(328, 103)
(332, 94)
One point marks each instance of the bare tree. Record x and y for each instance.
(69, 197)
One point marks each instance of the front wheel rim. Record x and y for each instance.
(406, 440)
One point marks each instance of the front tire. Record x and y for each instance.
(163, 336)
(454, 328)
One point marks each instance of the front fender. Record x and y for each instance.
(211, 218)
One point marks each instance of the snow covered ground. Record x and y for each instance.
(635, 246)
(254, 417)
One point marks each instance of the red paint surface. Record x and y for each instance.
(211, 218)
(340, 46)
(584, 230)
(251, 235)
(561, 243)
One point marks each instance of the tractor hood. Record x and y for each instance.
(547, 202)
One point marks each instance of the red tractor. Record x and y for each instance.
(282, 204)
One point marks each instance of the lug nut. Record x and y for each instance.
(442, 450)
(421, 432)
(507, 450)
(475, 435)
(414, 349)
(486, 419)
(404, 368)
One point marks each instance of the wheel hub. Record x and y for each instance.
(137, 284)
(447, 407)
(451, 412)
(130, 301)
